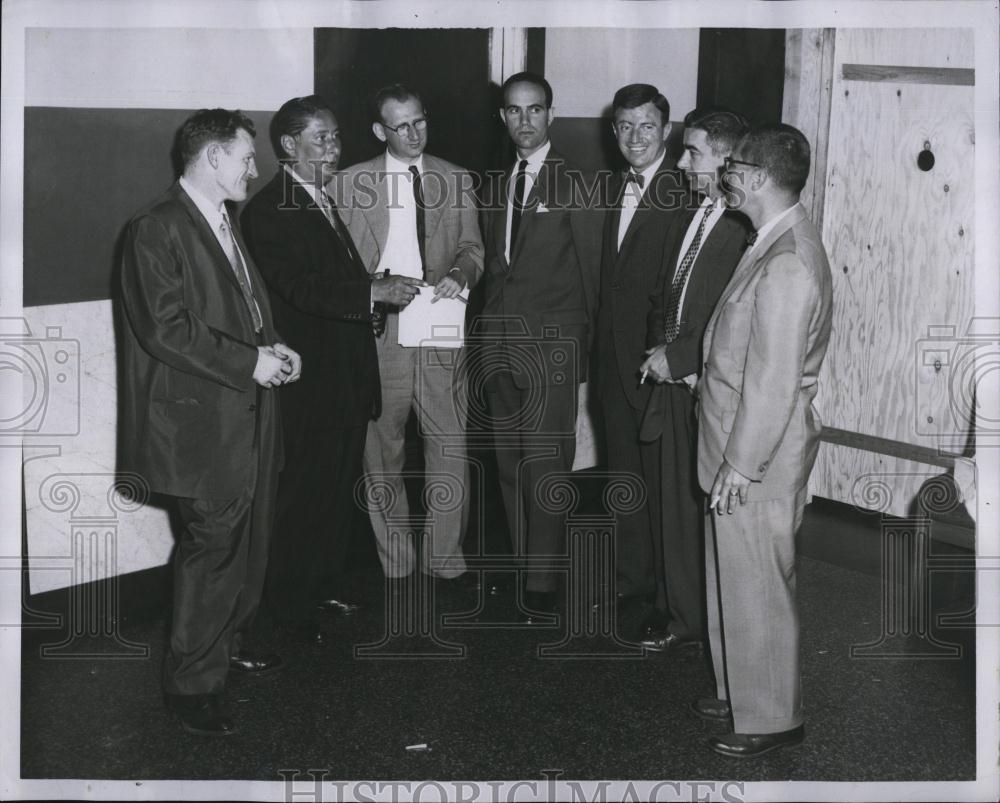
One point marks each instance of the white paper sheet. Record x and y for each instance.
(440, 324)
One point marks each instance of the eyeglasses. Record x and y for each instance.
(405, 129)
(728, 163)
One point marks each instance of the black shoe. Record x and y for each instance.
(256, 664)
(665, 643)
(751, 745)
(712, 709)
(201, 713)
(540, 608)
(342, 606)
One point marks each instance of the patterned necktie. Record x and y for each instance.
(673, 323)
(418, 196)
(239, 268)
(517, 202)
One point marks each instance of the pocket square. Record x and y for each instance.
(541, 208)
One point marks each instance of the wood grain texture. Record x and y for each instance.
(809, 56)
(900, 242)
(956, 76)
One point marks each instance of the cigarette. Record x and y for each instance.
(644, 375)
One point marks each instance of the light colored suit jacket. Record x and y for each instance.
(763, 349)
(364, 191)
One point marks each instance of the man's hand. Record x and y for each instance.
(450, 285)
(655, 366)
(729, 485)
(396, 290)
(294, 359)
(272, 368)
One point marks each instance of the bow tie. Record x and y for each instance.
(635, 178)
(751, 238)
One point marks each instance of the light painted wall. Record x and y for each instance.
(587, 65)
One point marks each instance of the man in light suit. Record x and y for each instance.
(646, 199)
(701, 250)
(758, 434)
(543, 243)
(199, 419)
(414, 215)
(322, 297)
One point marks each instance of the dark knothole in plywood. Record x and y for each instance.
(925, 159)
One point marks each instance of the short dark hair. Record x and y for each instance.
(780, 149)
(723, 127)
(205, 127)
(397, 92)
(527, 78)
(293, 116)
(633, 95)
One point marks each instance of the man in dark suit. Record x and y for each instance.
(700, 253)
(322, 298)
(199, 414)
(543, 238)
(758, 434)
(645, 199)
(411, 213)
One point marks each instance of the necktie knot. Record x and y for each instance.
(414, 171)
(631, 177)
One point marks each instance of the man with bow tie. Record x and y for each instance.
(645, 199)
(700, 252)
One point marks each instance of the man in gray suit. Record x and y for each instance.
(758, 434)
(414, 214)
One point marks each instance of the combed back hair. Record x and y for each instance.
(780, 149)
(723, 127)
(633, 95)
(293, 117)
(397, 92)
(208, 126)
(528, 78)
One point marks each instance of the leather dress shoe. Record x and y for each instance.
(201, 713)
(712, 709)
(541, 607)
(341, 606)
(750, 745)
(666, 642)
(256, 664)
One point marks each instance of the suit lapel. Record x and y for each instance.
(499, 221)
(208, 238)
(536, 198)
(378, 215)
(436, 195)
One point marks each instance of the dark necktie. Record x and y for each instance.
(239, 268)
(673, 323)
(337, 224)
(418, 196)
(517, 202)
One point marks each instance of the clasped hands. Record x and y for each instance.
(276, 365)
(400, 290)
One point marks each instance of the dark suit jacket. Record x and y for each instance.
(716, 261)
(190, 404)
(548, 290)
(629, 276)
(322, 302)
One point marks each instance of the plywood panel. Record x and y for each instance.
(900, 242)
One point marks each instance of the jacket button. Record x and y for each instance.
(252, 407)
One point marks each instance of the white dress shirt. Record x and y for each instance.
(763, 231)
(633, 195)
(530, 175)
(402, 249)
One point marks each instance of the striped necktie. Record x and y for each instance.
(673, 323)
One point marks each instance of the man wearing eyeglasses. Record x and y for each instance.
(758, 434)
(646, 198)
(701, 250)
(413, 215)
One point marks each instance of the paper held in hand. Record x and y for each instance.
(438, 325)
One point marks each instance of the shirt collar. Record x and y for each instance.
(307, 186)
(648, 172)
(213, 214)
(394, 165)
(764, 230)
(535, 160)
